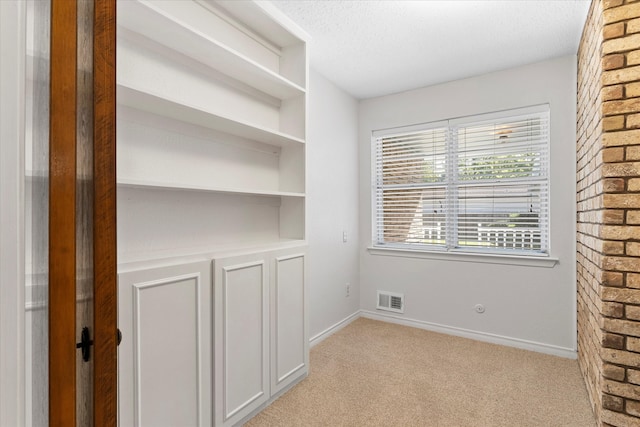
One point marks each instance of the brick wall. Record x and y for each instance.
(608, 155)
(590, 215)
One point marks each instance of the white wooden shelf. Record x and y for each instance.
(265, 18)
(162, 106)
(133, 183)
(149, 21)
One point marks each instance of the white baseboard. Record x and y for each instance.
(568, 353)
(553, 350)
(318, 338)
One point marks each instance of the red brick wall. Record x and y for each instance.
(608, 148)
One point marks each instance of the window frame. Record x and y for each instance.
(450, 250)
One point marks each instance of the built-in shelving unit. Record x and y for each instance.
(211, 127)
(211, 153)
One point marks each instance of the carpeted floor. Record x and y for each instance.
(375, 373)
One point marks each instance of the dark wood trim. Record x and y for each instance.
(105, 384)
(62, 213)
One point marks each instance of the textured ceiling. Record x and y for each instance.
(373, 48)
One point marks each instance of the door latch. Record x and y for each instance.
(86, 342)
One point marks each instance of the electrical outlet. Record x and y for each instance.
(348, 289)
(344, 237)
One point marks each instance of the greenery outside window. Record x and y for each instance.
(478, 184)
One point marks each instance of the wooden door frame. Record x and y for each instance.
(62, 216)
(105, 315)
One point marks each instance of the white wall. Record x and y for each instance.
(526, 305)
(12, 72)
(332, 188)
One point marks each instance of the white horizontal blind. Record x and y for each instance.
(411, 187)
(472, 185)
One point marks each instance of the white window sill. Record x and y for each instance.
(524, 260)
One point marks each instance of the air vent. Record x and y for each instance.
(390, 301)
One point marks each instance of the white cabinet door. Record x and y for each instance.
(241, 337)
(289, 326)
(164, 375)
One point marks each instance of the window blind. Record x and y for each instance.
(471, 183)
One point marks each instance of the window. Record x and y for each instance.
(473, 184)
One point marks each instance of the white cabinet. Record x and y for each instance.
(164, 359)
(211, 342)
(260, 331)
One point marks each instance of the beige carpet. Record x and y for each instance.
(379, 374)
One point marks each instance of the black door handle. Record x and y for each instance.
(86, 342)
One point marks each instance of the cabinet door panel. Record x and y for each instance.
(164, 369)
(241, 301)
(289, 343)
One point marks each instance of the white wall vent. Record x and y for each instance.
(390, 301)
